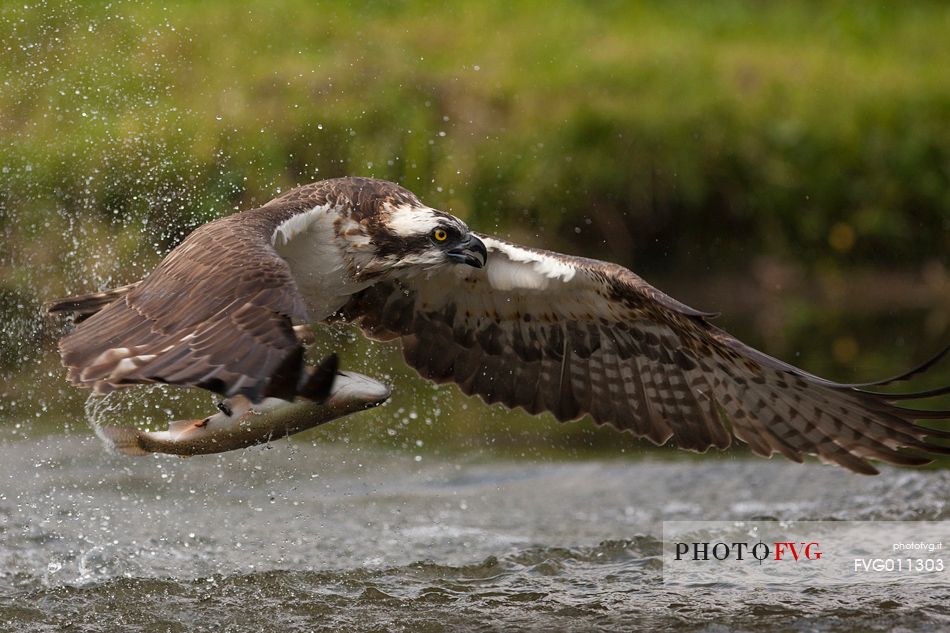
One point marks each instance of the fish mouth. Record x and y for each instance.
(351, 387)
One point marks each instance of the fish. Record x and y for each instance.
(239, 423)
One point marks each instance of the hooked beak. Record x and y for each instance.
(472, 252)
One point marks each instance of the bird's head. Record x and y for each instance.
(409, 237)
(385, 230)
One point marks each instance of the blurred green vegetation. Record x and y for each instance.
(768, 159)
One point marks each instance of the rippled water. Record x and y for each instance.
(300, 537)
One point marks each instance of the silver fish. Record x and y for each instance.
(240, 423)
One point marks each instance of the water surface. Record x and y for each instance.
(300, 536)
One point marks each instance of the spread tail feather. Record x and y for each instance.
(82, 307)
(124, 440)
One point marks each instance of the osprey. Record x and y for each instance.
(525, 327)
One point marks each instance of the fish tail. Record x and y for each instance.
(124, 439)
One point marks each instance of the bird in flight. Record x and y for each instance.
(525, 327)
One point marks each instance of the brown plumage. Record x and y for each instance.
(217, 313)
(607, 344)
(81, 307)
(530, 329)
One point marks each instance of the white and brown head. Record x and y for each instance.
(388, 230)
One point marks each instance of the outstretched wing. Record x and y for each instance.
(217, 313)
(573, 336)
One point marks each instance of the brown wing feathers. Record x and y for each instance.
(218, 313)
(81, 307)
(661, 371)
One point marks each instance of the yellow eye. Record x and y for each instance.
(440, 235)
